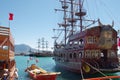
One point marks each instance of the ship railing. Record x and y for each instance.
(6, 34)
(4, 31)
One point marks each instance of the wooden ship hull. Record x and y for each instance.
(7, 61)
(88, 51)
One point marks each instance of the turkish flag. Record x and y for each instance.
(10, 16)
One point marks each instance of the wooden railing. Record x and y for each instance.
(4, 31)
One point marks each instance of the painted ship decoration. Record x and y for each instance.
(89, 49)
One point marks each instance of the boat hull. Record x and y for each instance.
(70, 66)
(43, 77)
(79, 67)
(37, 73)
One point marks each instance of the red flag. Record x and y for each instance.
(10, 16)
(118, 42)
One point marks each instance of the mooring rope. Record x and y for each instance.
(96, 69)
(81, 73)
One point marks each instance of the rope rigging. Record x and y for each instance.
(94, 69)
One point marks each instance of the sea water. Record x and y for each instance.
(48, 64)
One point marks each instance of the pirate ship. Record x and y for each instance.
(8, 69)
(42, 49)
(85, 48)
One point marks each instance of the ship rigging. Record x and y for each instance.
(73, 19)
(84, 43)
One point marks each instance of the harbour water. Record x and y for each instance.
(48, 64)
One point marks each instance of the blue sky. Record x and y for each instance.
(34, 19)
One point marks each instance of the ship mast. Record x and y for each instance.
(80, 14)
(72, 16)
(64, 6)
(80, 6)
(39, 45)
(75, 17)
(64, 24)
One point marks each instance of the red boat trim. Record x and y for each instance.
(103, 78)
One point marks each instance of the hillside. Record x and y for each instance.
(23, 48)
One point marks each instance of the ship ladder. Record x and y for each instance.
(96, 70)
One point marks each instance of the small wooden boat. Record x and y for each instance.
(104, 78)
(37, 73)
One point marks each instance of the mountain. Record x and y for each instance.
(23, 48)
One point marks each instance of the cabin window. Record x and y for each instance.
(88, 53)
(70, 42)
(92, 54)
(74, 55)
(60, 55)
(75, 42)
(80, 54)
(5, 47)
(111, 54)
(81, 41)
(108, 34)
(96, 53)
(70, 55)
(94, 39)
(91, 39)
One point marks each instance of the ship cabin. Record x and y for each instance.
(7, 61)
(101, 46)
(96, 45)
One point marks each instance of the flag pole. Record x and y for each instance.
(9, 23)
(10, 18)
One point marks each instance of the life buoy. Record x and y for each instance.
(86, 68)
